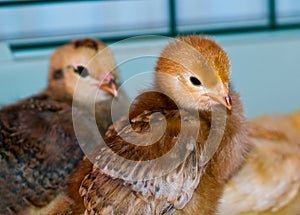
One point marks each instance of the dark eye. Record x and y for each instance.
(195, 81)
(58, 74)
(82, 71)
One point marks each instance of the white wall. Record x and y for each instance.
(265, 69)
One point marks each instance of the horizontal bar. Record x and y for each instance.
(37, 45)
(39, 2)
(229, 30)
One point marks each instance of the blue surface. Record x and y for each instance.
(265, 69)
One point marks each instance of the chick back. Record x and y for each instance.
(38, 152)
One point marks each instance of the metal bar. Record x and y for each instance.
(50, 44)
(228, 30)
(40, 2)
(272, 14)
(38, 45)
(173, 18)
(272, 26)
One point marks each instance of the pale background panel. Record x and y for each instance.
(265, 69)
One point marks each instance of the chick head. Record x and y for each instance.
(91, 66)
(199, 68)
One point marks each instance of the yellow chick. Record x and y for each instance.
(269, 181)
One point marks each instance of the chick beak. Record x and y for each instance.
(228, 102)
(109, 85)
(224, 100)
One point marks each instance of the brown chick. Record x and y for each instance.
(193, 117)
(269, 181)
(96, 78)
(38, 146)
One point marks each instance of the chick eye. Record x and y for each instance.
(195, 81)
(82, 71)
(58, 74)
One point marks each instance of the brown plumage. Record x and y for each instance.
(193, 73)
(38, 152)
(71, 202)
(269, 181)
(38, 146)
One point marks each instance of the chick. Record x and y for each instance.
(38, 146)
(95, 69)
(193, 117)
(269, 181)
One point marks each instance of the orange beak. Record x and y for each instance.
(109, 85)
(228, 102)
(224, 100)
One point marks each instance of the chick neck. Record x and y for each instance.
(58, 95)
(226, 161)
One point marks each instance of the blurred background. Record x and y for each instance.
(262, 38)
